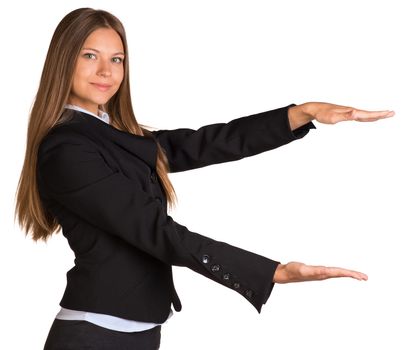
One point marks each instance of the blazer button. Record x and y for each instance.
(226, 276)
(215, 268)
(248, 293)
(236, 285)
(158, 199)
(153, 177)
(205, 259)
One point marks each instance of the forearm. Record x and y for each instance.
(224, 142)
(299, 115)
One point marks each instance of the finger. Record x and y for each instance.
(340, 272)
(361, 115)
(373, 119)
(323, 272)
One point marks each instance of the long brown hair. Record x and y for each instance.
(53, 93)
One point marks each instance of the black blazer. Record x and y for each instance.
(101, 185)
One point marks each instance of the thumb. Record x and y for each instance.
(349, 114)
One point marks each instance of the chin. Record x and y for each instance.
(101, 101)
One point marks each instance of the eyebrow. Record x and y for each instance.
(89, 48)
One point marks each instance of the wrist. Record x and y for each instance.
(278, 275)
(300, 115)
(308, 110)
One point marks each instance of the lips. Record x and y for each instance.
(101, 87)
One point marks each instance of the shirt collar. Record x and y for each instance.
(102, 115)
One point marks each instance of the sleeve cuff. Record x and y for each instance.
(269, 289)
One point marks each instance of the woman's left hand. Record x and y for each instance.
(328, 113)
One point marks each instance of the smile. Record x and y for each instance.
(101, 87)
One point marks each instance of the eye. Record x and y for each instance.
(117, 59)
(89, 55)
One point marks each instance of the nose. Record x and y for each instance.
(104, 69)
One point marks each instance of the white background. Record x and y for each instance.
(335, 197)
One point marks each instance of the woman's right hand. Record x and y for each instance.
(299, 272)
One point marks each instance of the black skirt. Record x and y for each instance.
(84, 335)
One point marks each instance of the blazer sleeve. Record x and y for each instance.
(188, 149)
(72, 172)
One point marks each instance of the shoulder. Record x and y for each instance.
(65, 135)
(68, 159)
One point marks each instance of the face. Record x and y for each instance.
(99, 70)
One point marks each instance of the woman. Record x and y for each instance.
(91, 170)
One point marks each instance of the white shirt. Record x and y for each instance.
(102, 320)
